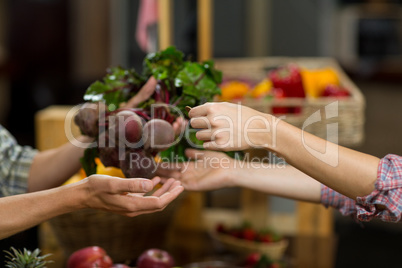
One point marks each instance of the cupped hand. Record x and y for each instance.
(127, 196)
(228, 127)
(210, 171)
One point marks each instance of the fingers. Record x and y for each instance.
(160, 199)
(170, 183)
(198, 111)
(145, 93)
(200, 122)
(203, 135)
(121, 186)
(155, 181)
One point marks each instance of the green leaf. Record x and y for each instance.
(195, 82)
(118, 86)
(163, 64)
(88, 161)
(25, 259)
(212, 72)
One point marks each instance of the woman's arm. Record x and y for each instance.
(232, 127)
(347, 171)
(215, 170)
(121, 196)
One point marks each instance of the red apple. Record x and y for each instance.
(120, 266)
(252, 259)
(89, 257)
(335, 91)
(155, 258)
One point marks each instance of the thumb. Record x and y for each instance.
(133, 186)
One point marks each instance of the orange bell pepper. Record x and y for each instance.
(315, 81)
(111, 171)
(262, 89)
(234, 90)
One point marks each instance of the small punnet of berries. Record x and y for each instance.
(247, 232)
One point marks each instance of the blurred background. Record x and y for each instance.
(51, 50)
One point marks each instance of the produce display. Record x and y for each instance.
(247, 232)
(94, 256)
(287, 81)
(266, 244)
(137, 135)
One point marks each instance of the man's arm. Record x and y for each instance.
(121, 196)
(51, 168)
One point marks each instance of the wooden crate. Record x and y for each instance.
(348, 113)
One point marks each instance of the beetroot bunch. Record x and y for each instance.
(130, 138)
(125, 139)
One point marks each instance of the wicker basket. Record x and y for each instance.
(123, 238)
(274, 250)
(348, 113)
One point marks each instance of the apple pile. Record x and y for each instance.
(95, 256)
(247, 232)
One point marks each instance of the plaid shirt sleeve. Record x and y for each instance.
(15, 162)
(385, 202)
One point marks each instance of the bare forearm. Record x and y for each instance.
(284, 181)
(346, 171)
(23, 211)
(51, 168)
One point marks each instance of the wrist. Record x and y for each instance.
(78, 195)
(267, 139)
(237, 173)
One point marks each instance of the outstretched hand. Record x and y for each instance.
(210, 171)
(128, 196)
